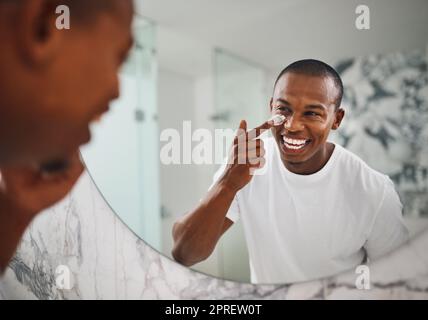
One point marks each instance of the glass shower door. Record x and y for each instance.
(123, 155)
(240, 94)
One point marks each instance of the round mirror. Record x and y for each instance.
(193, 75)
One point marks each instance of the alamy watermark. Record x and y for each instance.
(362, 22)
(63, 278)
(363, 279)
(203, 146)
(63, 22)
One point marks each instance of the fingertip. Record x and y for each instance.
(242, 128)
(270, 124)
(243, 125)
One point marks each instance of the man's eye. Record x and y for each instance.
(312, 114)
(283, 109)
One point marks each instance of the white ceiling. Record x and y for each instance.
(272, 33)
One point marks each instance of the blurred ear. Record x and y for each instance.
(271, 104)
(338, 117)
(38, 39)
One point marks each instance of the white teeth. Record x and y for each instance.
(289, 146)
(294, 142)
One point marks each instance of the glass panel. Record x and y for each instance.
(128, 138)
(240, 94)
(239, 91)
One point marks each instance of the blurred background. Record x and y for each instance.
(215, 62)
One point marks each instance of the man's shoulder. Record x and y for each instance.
(358, 170)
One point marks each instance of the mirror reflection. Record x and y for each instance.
(339, 182)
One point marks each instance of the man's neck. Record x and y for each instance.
(313, 165)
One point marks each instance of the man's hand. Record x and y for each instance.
(246, 156)
(27, 191)
(198, 232)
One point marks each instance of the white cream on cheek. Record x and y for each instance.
(277, 120)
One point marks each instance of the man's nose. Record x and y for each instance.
(293, 124)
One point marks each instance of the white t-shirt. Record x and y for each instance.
(303, 227)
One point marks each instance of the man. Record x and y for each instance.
(317, 210)
(53, 84)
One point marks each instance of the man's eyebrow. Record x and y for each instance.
(309, 106)
(316, 106)
(283, 101)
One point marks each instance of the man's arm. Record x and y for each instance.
(24, 192)
(388, 231)
(196, 234)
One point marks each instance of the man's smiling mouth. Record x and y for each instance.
(294, 144)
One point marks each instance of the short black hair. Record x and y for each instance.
(315, 68)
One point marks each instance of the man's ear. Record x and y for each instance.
(38, 39)
(271, 104)
(338, 117)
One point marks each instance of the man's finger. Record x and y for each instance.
(242, 128)
(253, 144)
(257, 162)
(254, 133)
(255, 153)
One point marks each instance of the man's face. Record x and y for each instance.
(308, 103)
(53, 86)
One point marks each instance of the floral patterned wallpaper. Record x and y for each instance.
(386, 123)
